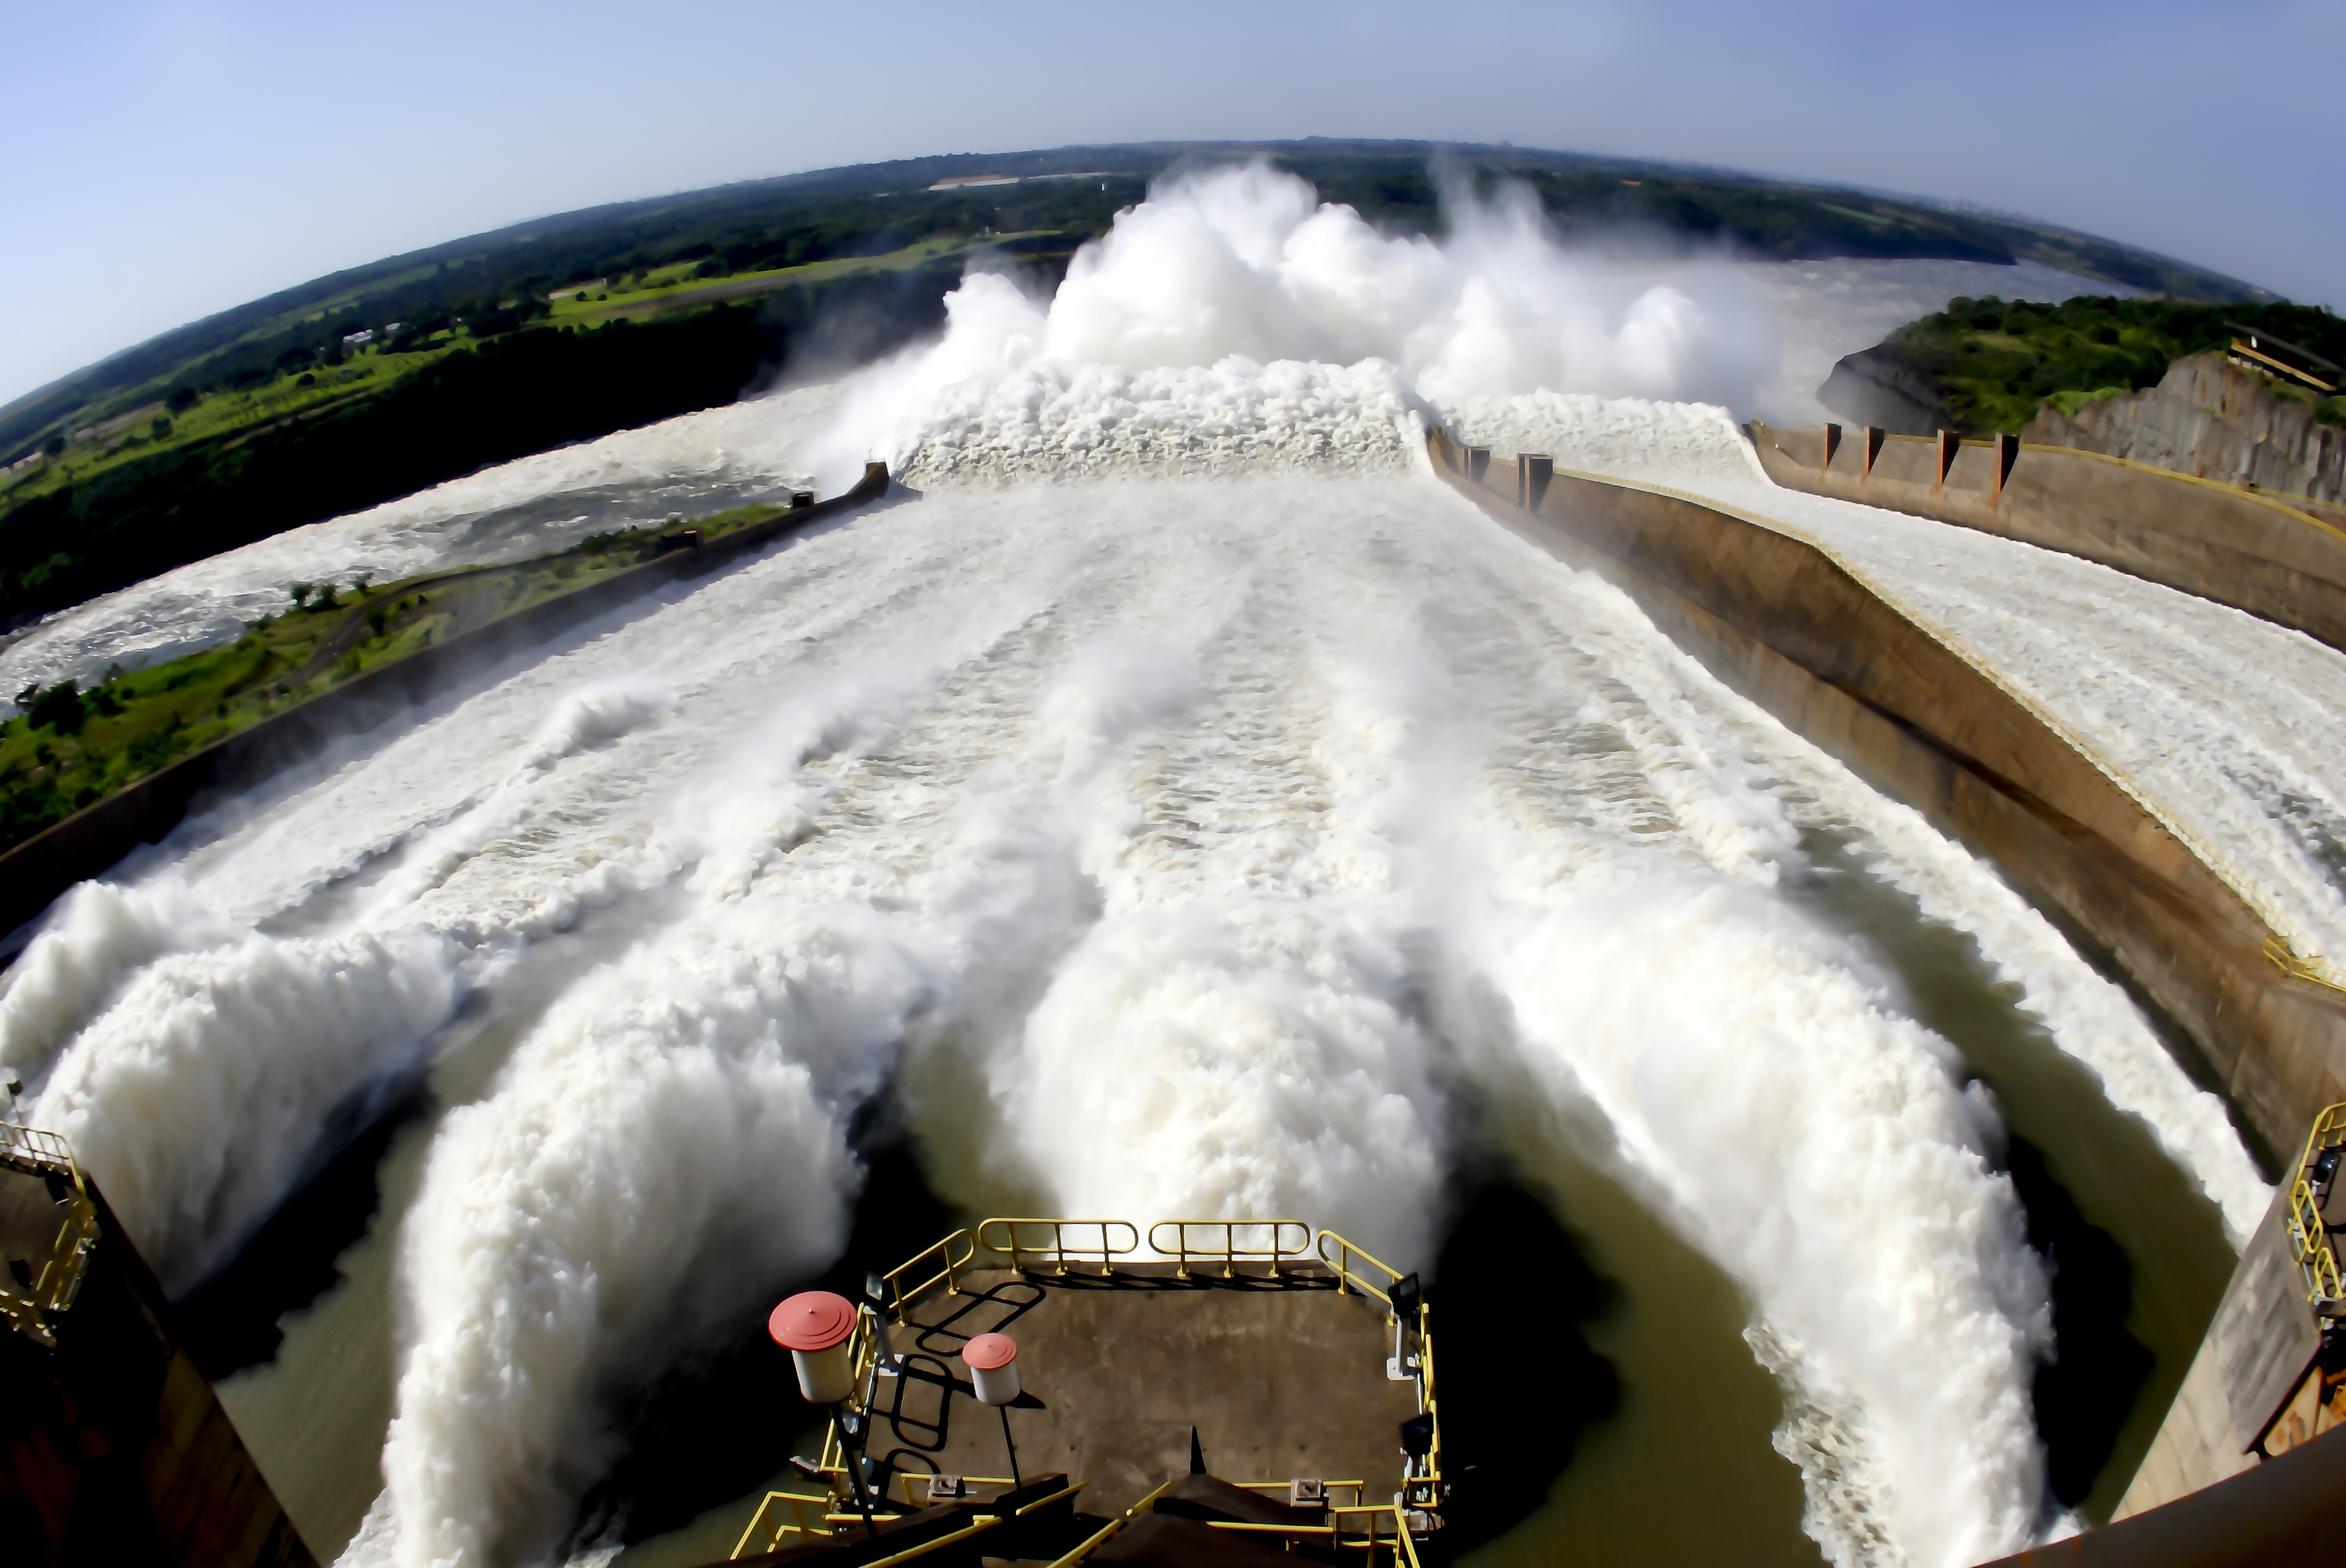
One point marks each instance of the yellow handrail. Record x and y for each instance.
(1340, 1255)
(1341, 1260)
(1099, 1538)
(773, 1535)
(1231, 1253)
(45, 1148)
(2308, 1235)
(909, 1476)
(1027, 1509)
(1016, 1240)
(978, 1526)
(901, 1296)
(64, 1263)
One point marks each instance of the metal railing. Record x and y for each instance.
(1101, 1537)
(1061, 1245)
(31, 1145)
(1058, 1242)
(808, 1518)
(2308, 1235)
(1346, 1254)
(1360, 1269)
(947, 1258)
(1271, 1239)
(27, 1308)
(1367, 1527)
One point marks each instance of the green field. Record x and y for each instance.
(68, 749)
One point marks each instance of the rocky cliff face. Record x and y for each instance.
(2209, 417)
(1880, 387)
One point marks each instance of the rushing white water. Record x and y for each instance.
(2144, 678)
(528, 507)
(1171, 847)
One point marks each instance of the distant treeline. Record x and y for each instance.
(503, 285)
(523, 394)
(1995, 363)
(875, 208)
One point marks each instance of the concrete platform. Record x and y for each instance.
(1282, 1379)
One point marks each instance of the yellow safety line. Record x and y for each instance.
(1099, 1538)
(1280, 1528)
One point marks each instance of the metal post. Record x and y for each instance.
(1013, 1447)
(850, 1451)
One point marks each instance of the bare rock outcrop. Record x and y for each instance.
(2209, 417)
(1880, 388)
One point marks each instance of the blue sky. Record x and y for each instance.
(164, 162)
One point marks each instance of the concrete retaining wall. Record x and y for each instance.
(2251, 552)
(117, 1451)
(85, 844)
(1779, 621)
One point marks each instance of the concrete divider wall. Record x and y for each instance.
(117, 1449)
(85, 844)
(1782, 622)
(2251, 552)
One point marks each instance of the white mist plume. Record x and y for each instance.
(1242, 273)
(678, 1118)
(195, 1095)
(97, 937)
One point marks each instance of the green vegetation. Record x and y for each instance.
(68, 749)
(1995, 364)
(377, 381)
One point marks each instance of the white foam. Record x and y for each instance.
(1170, 842)
(506, 511)
(196, 1094)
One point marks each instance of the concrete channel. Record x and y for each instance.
(1780, 621)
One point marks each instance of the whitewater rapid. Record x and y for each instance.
(1187, 823)
(696, 463)
(1189, 808)
(2145, 679)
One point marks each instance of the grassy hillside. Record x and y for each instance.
(1995, 364)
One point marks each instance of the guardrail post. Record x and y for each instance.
(1875, 436)
(1476, 461)
(1832, 445)
(1951, 441)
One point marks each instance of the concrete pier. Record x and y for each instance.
(116, 1450)
(2283, 563)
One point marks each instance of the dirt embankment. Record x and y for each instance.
(2208, 418)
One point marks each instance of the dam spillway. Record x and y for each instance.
(1256, 828)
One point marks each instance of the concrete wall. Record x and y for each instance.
(85, 844)
(116, 1450)
(1779, 621)
(2209, 417)
(2283, 563)
(2258, 1345)
(1776, 619)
